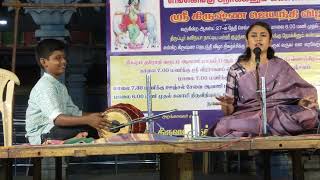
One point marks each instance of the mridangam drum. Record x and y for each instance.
(123, 114)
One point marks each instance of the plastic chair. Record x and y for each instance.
(7, 82)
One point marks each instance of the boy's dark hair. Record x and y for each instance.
(46, 47)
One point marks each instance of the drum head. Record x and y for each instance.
(116, 114)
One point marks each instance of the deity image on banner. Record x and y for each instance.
(135, 25)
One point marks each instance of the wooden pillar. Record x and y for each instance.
(58, 168)
(205, 163)
(266, 164)
(36, 168)
(297, 166)
(15, 39)
(176, 167)
(6, 169)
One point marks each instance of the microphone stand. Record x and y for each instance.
(142, 119)
(261, 93)
(264, 106)
(149, 103)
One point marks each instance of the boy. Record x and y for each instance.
(51, 114)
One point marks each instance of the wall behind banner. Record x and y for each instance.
(188, 47)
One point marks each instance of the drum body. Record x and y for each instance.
(124, 114)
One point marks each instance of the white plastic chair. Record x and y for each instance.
(7, 82)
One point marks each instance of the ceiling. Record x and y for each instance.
(85, 19)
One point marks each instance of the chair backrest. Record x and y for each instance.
(7, 82)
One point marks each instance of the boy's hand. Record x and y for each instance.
(98, 121)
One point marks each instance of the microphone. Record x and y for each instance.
(257, 52)
(116, 125)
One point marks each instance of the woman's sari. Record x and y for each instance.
(284, 117)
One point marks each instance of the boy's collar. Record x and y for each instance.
(52, 77)
(49, 75)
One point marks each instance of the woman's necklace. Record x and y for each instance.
(265, 72)
(251, 68)
(258, 82)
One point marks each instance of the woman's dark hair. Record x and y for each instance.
(46, 47)
(247, 53)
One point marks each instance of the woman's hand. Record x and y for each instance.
(226, 103)
(309, 102)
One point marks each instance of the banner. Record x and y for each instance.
(187, 46)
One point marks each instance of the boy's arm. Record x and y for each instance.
(94, 120)
(72, 108)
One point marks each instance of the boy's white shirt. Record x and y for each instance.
(48, 99)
